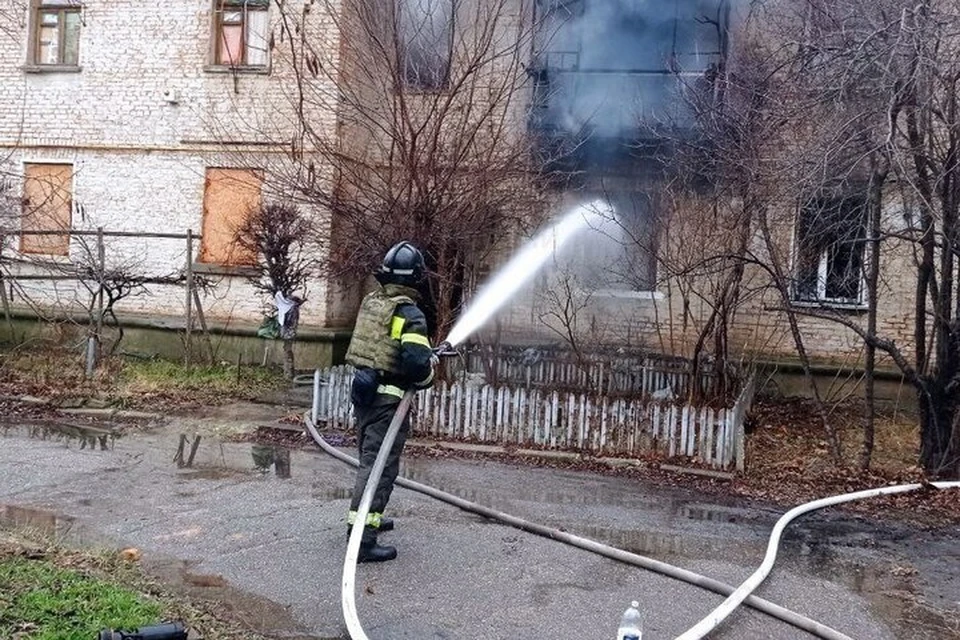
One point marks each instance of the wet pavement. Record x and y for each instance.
(261, 529)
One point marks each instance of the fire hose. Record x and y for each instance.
(735, 596)
(348, 584)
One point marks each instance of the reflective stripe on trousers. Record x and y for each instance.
(373, 519)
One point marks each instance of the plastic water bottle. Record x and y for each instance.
(631, 625)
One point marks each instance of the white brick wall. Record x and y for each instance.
(139, 160)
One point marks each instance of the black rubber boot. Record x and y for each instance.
(370, 551)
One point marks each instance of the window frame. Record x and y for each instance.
(404, 84)
(823, 258)
(61, 8)
(220, 8)
(634, 249)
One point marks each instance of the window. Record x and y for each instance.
(47, 205)
(56, 33)
(229, 197)
(619, 255)
(241, 33)
(830, 243)
(426, 41)
(609, 65)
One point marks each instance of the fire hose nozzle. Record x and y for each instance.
(445, 350)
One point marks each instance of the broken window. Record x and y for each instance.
(610, 64)
(830, 240)
(229, 198)
(241, 33)
(56, 33)
(47, 207)
(426, 41)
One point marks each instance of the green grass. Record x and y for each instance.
(158, 375)
(42, 601)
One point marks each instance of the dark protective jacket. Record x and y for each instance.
(390, 338)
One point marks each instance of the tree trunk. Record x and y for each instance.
(288, 363)
(783, 288)
(872, 279)
(939, 446)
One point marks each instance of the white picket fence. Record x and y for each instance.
(559, 420)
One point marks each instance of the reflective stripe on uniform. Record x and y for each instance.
(373, 519)
(396, 327)
(390, 390)
(415, 338)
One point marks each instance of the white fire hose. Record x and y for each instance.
(735, 597)
(348, 591)
(719, 614)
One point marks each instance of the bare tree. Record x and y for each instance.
(866, 94)
(433, 144)
(279, 236)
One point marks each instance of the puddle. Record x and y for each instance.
(48, 524)
(332, 493)
(71, 435)
(253, 612)
(205, 458)
(40, 521)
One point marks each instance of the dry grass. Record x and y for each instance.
(788, 460)
(58, 373)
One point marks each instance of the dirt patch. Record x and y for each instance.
(117, 572)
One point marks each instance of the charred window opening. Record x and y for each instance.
(830, 240)
(611, 66)
(56, 33)
(241, 33)
(425, 40)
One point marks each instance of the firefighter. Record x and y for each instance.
(391, 353)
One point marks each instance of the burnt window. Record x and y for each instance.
(610, 65)
(55, 33)
(830, 240)
(241, 33)
(425, 29)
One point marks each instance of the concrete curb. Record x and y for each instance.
(545, 454)
(106, 412)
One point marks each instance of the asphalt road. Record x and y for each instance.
(271, 546)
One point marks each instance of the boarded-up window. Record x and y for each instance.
(47, 203)
(230, 196)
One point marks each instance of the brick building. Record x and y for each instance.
(159, 119)
(177, 119)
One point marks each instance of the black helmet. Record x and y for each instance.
(403, 264)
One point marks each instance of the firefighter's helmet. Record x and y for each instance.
(403, 264)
